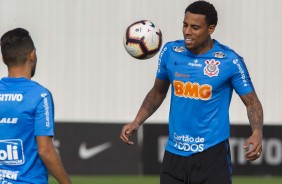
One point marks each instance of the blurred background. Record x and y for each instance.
(97, 87)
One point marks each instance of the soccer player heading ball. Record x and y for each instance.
(202, 73)
(26, 117)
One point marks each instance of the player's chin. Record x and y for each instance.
(189, 46)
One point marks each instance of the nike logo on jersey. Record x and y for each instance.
(86, 153)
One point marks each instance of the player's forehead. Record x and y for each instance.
(194, 19)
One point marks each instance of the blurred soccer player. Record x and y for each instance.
(202, 73)
(26, 117)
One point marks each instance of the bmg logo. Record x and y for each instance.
(11, 152)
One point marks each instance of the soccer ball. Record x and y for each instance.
(142, 39)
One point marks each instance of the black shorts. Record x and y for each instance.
(212, 166)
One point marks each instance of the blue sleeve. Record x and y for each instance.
(162, 70)
(240, 77)
(44, 116)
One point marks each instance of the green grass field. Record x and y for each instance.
(155, 180)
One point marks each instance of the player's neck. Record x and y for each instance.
(203, 48)
(17, 72)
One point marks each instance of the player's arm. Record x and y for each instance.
(51, 159)
(150, 104)
(255, 115)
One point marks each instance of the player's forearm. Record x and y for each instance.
(254, 111)
(150, 104)
(55, 167)
(255, 115)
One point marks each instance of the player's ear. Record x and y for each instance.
(211, 29)
(32, 56)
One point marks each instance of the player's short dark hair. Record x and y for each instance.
(204, 8)
(16, 44)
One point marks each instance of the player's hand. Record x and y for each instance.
(127, 131)
(253, 146)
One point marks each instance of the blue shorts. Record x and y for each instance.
(212, 166)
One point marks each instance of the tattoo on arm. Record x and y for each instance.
(152, 101)
(254, 110)
(149, 104)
